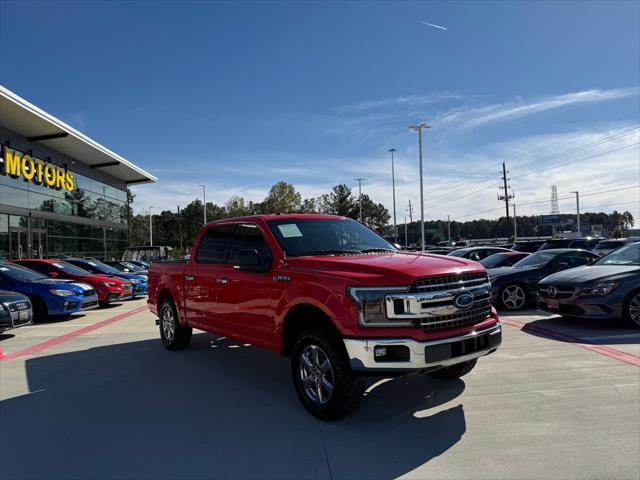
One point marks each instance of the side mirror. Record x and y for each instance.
(398, 246)
(249, 260)
(561, 266)
(53, 274)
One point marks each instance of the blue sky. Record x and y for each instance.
(240, 95)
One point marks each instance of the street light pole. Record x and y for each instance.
(150, 227)
(418, 128)
(406, 243)
(360, 180)
(515, 224)
(204, 201)
(578, 212)
(449, 228)
(393, 186)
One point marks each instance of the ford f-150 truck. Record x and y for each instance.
(334, 296)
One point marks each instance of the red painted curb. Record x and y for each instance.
(68, 336)
(578, 342)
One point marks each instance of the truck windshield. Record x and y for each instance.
(302, 237)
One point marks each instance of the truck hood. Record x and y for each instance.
(386, 268)
(591, 273)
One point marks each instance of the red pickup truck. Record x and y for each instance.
(334, 296)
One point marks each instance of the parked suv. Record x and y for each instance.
(332, 295)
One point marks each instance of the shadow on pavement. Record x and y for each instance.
(597, 332)
(220, 410)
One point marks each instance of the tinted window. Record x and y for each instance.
(575, 259)
(609, 245)
(555, 244)
(212, 248)
(19, 273)
(535, 260)
(249, 237)
(629, 255)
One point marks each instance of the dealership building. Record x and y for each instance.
(60, 191)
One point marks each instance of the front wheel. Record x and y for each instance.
(173, 335)
(632, 309)
(513, 297)
(454, 371)
(322, 376)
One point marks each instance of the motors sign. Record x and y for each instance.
(16, 164)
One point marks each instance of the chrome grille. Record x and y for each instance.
(17, 306)
(441, 284)
(480, 311)
(560, 291)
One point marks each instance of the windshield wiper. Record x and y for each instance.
(326, 252)
(374, 250)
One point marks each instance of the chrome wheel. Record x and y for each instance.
(316, 374)
(513, 297)
(634, 309)
(168, 324)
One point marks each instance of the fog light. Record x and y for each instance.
(379, 351)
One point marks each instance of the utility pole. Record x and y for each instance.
(578, 212)
(360, 180)
(150, 227)
(204, 201)
(393, 185)
(449, 228)
(179, 228)
(410, 212)
(515, 223)
(418, 128)
(406, 243)
(506, 196)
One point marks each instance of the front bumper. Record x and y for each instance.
(584, 307)
(408, 355)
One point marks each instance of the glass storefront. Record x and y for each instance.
(30, 237)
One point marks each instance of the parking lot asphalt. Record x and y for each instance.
(97, 396)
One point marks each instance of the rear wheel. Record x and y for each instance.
(632, 309)
(322, 376)
(513, 297)
(455, 371)
(173, 335)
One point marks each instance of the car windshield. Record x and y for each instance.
(629, 255)
(20, 274)
(609, 245)
(493, 261)
(301, 237)
(538, 259)
(70, 269)
(102, 267)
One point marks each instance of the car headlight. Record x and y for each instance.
(602, 288)
(135, 281)
(372, 311)
(62, 293)
(109, 284)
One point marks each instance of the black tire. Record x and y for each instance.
(173, 335)
(513, 305)
(631, 306)
(347, 390)
(40, 311)
(105, 302)
(454, 371)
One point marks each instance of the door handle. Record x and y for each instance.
(222, 281)
(188, 278)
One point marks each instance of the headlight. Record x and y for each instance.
(370, 303)
(602, 288)
(109, 284)
(62, 293)
(135, 281)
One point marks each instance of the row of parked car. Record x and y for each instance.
(568, 281)
(35, 289)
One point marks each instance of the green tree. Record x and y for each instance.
(339, 202)
(282, 198)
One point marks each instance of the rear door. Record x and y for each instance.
(246, 299)
(204, 275)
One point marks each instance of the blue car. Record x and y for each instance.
(49, 296)
(15, 310)
(138, 282)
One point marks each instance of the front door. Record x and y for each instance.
(18, 243)
(247, 299)
(38, 243)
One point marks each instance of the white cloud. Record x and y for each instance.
(408, 101)
(468, 118)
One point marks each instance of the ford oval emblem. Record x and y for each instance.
(463, 301)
